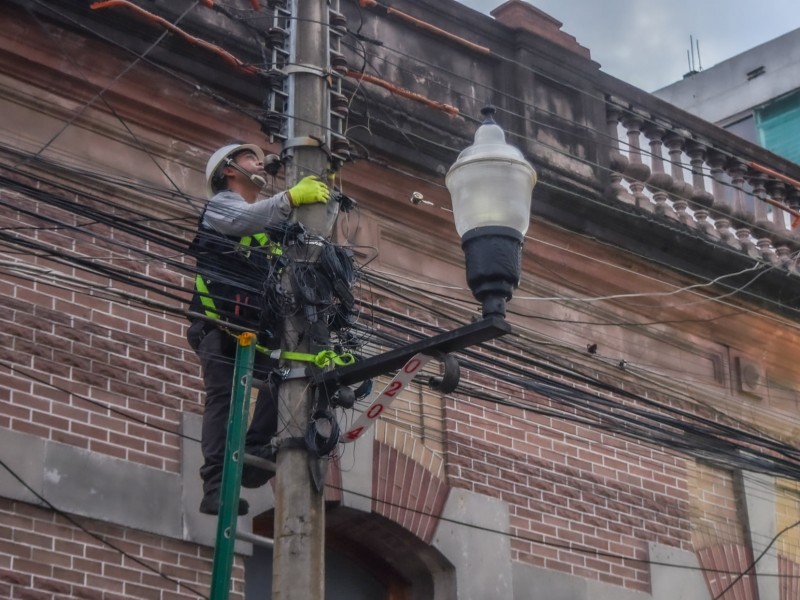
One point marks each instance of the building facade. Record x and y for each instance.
(755, 94)
(634, 437)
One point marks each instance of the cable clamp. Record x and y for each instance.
(304, 68)
(305, 140)
(307, 240)
(298, 373)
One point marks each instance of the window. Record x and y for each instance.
(779, 126)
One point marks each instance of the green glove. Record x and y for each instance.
(308, 190)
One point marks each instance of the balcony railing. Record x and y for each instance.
(688, 172)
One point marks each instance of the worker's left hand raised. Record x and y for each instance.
(309, 190)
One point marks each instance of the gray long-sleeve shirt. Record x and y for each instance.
(229, 214)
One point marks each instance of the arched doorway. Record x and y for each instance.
(368, 557)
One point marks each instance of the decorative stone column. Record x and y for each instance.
(742, 208)
(722, 205)
(617, 161)
(764, 229)
(637, 172)
(659, 183)
(702, 200)
(681, 190)
(783, 241)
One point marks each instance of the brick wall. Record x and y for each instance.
(570, 486)
(83, 367)
(74, 354)
(718, 532)
(788, 544)
(715, 507)
(788, 515)
(43, 556)
(90, 370)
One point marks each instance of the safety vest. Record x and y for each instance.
(233, 276)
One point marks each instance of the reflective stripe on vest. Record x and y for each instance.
(263, 240)
(205, 297)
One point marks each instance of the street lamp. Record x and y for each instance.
(490, 185)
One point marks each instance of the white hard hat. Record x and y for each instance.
(219, 157)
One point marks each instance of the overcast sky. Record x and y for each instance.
(644, 42)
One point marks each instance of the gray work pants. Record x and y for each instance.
(217, 352)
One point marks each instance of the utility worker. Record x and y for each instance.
(235, 260)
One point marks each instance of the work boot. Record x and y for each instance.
(209, 505)
(254, 476)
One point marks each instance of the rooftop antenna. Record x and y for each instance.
(699, 64)
(690, 57)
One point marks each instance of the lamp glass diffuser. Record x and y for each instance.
(491, 184)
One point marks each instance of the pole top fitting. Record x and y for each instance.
(488, 114)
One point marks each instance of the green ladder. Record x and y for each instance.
(232, 466)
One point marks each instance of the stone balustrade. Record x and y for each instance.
(662, 167)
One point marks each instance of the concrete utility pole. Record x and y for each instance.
(299, 553)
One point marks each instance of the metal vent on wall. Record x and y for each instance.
(749, 377)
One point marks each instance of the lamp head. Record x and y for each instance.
(490, 185)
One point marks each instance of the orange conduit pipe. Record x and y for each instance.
(148, 16)
(437, 30)
(768, 171)
(427, 26)
(447, 108)
(785, 179)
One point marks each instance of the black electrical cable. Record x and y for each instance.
(511, 404)
(504, 59)
(321, 440)
(544, 542)
(571, 397)
(519, 345)
(541, 542)
(384, 283)
(145, 232)
(117, 223)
